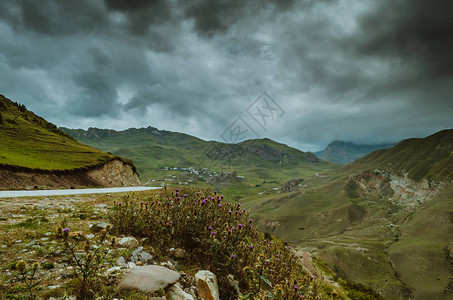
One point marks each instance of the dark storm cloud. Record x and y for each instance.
(97, 88)
(420, 32)
(54, 18)
(363, 71)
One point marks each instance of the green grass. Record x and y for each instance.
(28, 141)
(152, 150)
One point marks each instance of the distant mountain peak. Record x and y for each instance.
(344, 152)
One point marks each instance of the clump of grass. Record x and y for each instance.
(220, 237)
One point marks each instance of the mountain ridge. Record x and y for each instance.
(346, 152)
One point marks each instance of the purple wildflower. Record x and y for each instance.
(67, 229)
(240, 225)
(213, 233)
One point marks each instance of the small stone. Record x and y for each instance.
(99, 226)
(52, 287)
(131, 265)
(127, 242)
(179, 253)
(18, 242)
(169, 265)
(89, 236)
(30, 244)
(139, 263)
(121, 261)
(113, 269)
(175, 292)
(3, 246)
(102, 206)
(207, 286)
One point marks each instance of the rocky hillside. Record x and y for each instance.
(347, 152)
(429, 158)
(384, 221)
(36, 154)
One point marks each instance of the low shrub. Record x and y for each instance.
(218, 236)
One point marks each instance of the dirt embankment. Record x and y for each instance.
(115, 173)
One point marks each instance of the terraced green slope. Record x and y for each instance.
(29, 141)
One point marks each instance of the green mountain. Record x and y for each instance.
(384, 220)
(249, 167)
(427, 158)
(347, 152)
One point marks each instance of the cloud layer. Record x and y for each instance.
(363, 71)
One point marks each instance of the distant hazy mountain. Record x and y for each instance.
(347, 152)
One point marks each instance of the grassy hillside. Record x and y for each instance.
(29, 141)
(423, 158)
(401, 251)
(262, 164)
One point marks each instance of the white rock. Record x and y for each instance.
(121, 261)
(207, 286)
(113, 269)
(175, 292)
(149, 278)
(131, 265)
(52, 287)
(127, 242)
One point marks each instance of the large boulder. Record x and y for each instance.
(149, 278)
(207, 286)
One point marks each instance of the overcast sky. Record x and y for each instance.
(361, 71)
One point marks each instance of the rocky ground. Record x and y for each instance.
(28, 229)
